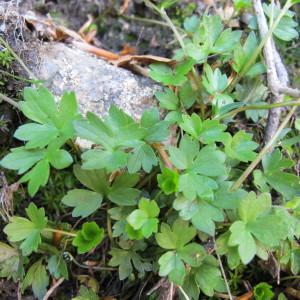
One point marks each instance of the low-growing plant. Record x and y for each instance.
(183, 193)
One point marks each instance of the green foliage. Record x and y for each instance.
(37, 277)
(287, 27)
(28, 231)
(88, 237)
(263, 291)
(86, 294)
(145, 217)
(6, 58)
(273, 175)
(161, 188)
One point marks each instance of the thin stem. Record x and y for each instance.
(258, 107)
(88, 267)
(9, 100)
(53, 288)
(264, 150)
(185, 295)
(223, 271)
(174, 29)
(259, 48)
(20, 61)
(163, 154)
(19, 77)
(61, 232)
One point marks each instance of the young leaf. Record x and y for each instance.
(145, 218)
(168, 181)
(88, 237)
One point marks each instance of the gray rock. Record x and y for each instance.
(97, 84)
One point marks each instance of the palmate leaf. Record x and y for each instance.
(241, 147)
(256, 224)
(286, 30)
(202, 214)
(27, 231)
(273, 175)
(126, 258)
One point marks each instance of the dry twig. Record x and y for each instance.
(53, 288)
(276, 73)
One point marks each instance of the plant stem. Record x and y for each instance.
(223, 271)
(259, 48)
(258, 107)
(20, 61)
(185, 295)
(96, 268)
(61, 232)
(9, 100)
(174, 29)
(163, 154)
(264, 150)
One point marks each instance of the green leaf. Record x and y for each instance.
(285, 183)
(96, 180)
(214, 81)
(100, 159)
(193, 185)
(170, 264)
(21, 159)
(286, 30)
(208, 276)
(28, 231)
(122, 191)
(10, 262)
(213, 131)
(142, 157)
(241, 147)
(192, 125)
(88, 237)
(145, 218)
(59, 158)
(86, 294)
(227, 41)
(177, 236)
(168, 100)
(37, 277)
(168, 181)
(205, 217)
(38, 176)
(242, 4)
(242, 238)
(128, 257)
(210, 162)
(164, 74)
(263, 291)
(39, 105)
(84, 202)
(36, 135)
(57, 267)
(192, 254)
(191, 23)
(251, 208)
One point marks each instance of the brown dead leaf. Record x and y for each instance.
(143, 59)
(124, 6)
(128, 50)
(246, 296)
(105, 54)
